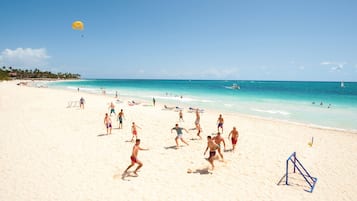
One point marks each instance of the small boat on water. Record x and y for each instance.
(235, 86)
(342, 84)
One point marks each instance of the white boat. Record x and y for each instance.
(235, 86)
(342, 84)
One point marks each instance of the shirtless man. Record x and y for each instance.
(134, 131)
(112, 108)
(198, 118)
(180, 116)
(218, 139)
(220, 122)
(179, 134)
(234, 138)
(212, 150)
(108, 123)
(120, 118)
(134, 157)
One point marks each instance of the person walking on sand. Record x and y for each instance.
(198, 118)
(212, 146)
(134, 157)
(81, 102)
(134, 131)
(179, 134)
(153, 101)
(234, 138)
(218, 139)
(120, 118)
(108, 123)
(198, 128)
(220, 122)
(181, 116)
(112, 108)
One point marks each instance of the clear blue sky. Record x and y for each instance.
(183, 39)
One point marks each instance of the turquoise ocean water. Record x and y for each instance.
(325, 104)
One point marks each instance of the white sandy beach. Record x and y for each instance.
(51, 152)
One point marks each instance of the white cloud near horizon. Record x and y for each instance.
(334, 66)
(24, 57)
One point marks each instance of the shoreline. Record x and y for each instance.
(163, 102)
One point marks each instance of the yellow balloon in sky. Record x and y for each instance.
(77, 25)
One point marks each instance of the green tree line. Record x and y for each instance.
(8, 73)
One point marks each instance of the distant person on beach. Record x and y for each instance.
(116, 94)
(180, 116)
(120, 118)
(112, 108)
(198, 128)
(78, 89)
(234, 138)
(179, 134)
(198, 118)
(218, 139)
(212, 146)
(81, 103)
(134, 157)
(134, 131)
(153, 101)
(108, 123)
(220, 122)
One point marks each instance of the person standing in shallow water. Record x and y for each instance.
(134, 157)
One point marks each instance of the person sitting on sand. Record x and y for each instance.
(234, 138)
(134, 157)
(108, 123)
(179, 134)
(134, 131)
(218, 139)
(212, 146)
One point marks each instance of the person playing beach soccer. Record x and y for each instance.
(234, 138)
(108, 123)
(212, 146)
(112, 108)
(120, 118)
(179, 134)
(134, 157)
(220, 122)
(218, 139)
(134, 131)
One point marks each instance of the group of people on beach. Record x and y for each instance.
(213, 143)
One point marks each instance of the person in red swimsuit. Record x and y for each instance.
(134, 157)
(134, 131)
(234, 138)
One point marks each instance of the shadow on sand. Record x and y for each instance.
(202, 171)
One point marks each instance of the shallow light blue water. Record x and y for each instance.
(285, 100)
